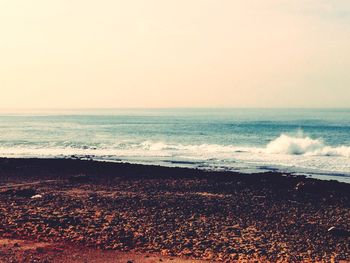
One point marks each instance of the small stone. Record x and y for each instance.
(39, 250)
(36, 196)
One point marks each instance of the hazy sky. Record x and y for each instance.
(174, 53)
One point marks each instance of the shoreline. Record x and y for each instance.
(176, 212)
(317, 174)
(124, 164)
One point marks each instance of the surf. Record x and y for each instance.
(305, 145)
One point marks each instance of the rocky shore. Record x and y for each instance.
(186, 213)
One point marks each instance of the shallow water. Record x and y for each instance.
(308, 141)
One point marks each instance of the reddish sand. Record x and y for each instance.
(16, 250)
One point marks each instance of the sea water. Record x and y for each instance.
(313, 142)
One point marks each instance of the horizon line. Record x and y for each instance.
(163, 108)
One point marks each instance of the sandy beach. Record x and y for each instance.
(64, 210)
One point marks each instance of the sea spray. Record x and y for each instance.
(299, 144)
(304, 145)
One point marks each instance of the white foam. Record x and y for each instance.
(304, 145)
(296, 152)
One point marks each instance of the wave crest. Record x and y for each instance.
(304, 145)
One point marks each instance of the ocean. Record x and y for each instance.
(312, 142)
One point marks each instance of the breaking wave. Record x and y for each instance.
(285, 144)
(304, 145)
(291, 153)
(298, 144)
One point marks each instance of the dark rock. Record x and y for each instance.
(26, 192)
(338, 232)
(39, 250)
(81, 178)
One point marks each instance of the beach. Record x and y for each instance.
(174, 131)
(58, 210)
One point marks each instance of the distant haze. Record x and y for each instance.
(183, 53)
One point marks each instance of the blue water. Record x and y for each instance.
(314, 142)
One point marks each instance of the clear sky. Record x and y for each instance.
(174, 53)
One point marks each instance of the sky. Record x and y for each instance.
(183, 53)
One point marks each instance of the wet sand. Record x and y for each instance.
(83, 211)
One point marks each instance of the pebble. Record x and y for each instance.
(234, 222)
